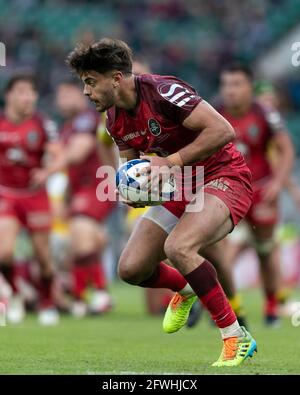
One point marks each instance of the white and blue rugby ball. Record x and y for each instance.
(129, 184)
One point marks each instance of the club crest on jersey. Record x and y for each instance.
(32, 138)
(253, 131)
(154, 127)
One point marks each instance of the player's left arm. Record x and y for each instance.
(52, 151)
(216, 132)
(282, 168)
(294, 190)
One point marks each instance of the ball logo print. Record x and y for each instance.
(2, 55)
(130, 184)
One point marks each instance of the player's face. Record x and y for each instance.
(236, 89)
(67, 99)
(22, 97)
(99, 88)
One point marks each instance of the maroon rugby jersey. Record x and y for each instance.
(22, 147)
(83, 174)
(254, 130)
(156, 126)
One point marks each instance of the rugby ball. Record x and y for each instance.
(129, 183)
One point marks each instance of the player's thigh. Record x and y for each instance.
(144, 249)
(196, 231)
(9, 228)
(85, 235)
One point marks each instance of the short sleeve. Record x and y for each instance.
(274, 120)
(51, 130)
(85, 123)
(175, 98)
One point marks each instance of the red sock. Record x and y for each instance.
(10, 274)
(97, 275)
(271, 304)
(87, 270)
(206, 286)
(165, 276)
(45, 292)
(80, 280)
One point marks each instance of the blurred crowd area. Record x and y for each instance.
(190, 39)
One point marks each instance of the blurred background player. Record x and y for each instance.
(257, 127)
(88, 237)
(25, 139)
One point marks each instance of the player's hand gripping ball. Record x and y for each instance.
(133, 186)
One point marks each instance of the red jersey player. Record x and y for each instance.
(256, 128)
(164, 115)
(80, 156)
(25, 137)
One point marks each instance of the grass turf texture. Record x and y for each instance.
(129, 341)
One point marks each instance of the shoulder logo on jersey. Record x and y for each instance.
(176, 94)
(154, 127)
(32, 138)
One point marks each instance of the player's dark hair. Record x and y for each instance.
(105, 55)
(20, 78)
(238, 67)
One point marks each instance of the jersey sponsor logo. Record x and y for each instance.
(154, 127)
(133, 135)
(9, 137)
(16, 155)
(176, 94)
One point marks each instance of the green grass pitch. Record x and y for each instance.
(128, 341)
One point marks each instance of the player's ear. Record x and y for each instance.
(117, 78)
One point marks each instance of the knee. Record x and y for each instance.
(128, 271)
(264, 247)
(176, 251)
(180, 252)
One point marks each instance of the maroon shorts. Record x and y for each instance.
(262, 213)
(85, 202)
(234, 190)
(32, 210)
